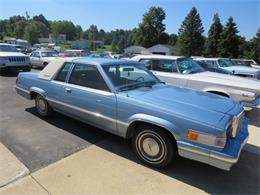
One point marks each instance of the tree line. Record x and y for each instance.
(221, 41)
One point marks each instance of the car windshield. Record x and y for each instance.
(7, 48)
(225, 63)
(130, 76)
(188, 66)
(50, 54)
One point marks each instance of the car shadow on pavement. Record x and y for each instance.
(254, 116)
(10, 74)
(244, 177)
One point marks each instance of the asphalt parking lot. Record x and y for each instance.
(37, 143)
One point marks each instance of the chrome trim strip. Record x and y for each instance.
(21, 89)
(107, 93)
(87, 112)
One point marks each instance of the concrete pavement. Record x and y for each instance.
(11, 168)
(109, 167)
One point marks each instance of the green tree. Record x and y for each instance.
(229, 40)
(173, 39)
(151, 29)
(64, 27)
(4, 27)
(212, 42)
(18, 31)
(121, 45)
(255, 47)
(190, 40)
(79, 32)
(35, 30)
(41, 18)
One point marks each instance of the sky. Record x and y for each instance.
(127, 14)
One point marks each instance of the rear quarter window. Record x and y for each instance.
(63, 72)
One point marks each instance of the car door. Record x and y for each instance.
(55, 91)
(89, 98)
(35, 58)
(167, 71)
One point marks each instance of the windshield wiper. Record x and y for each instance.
(137, 85)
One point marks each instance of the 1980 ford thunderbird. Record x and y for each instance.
(126, 99)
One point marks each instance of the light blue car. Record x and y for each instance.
(227, 65)
(124, 98)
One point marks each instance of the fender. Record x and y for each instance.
(38, 90)
(155, 121)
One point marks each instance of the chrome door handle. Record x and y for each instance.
(68, 90)
(98, 100)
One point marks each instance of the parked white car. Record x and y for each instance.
(185, 72)
(227, 64)
(43, 57)
(246, 62)
(11, 59)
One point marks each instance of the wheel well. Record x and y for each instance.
(219, 93)
(33, 95)
(133, 126)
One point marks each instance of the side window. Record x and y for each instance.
(221, 63)
(165, 65)
(36, 54)
(61, 76)
(147, 63)
(87, 76)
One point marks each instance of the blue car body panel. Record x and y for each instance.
(173, 108)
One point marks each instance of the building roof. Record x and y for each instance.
(161, 45)
(136, 49)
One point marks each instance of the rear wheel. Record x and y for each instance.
(154, 146)
(45, 64)
(42, 106)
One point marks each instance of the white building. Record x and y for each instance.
(162, 49)
(136, 50)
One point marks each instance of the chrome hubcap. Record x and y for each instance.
(41, 105)
(151, 147)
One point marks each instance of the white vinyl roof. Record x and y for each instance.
(49, 71)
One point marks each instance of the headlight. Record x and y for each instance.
(249, 96)
(207, 139)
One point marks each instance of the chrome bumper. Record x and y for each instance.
(221, 159)
(251, 105)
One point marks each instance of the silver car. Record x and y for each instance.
(185, 72)
(43, 57)
(233, 68)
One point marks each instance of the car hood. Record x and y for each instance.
(7, 54)
(241, 69)
(228, 80)
(196, 105)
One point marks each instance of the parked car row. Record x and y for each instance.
(163, 121)
(185, 72)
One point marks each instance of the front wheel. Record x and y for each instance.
(154, 146)
(42, 106)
